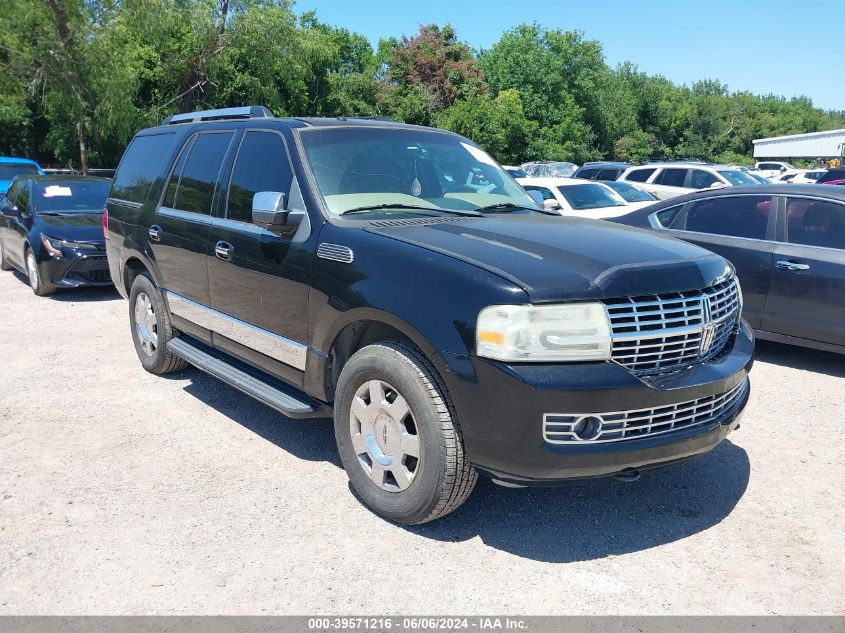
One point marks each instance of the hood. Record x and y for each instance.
(74, 227)
(565, 258)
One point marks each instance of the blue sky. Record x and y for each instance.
(776, 46)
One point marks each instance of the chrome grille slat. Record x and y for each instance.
(628, 425)
(657, 334)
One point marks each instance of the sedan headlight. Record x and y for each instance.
(546, 333)
(54, 247)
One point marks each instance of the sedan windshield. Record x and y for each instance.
(629, 192)
(737, 177)
(72, 196)
(408, 171)
(591, 196)
(10, 170)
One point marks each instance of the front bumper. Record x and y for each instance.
(76, 267)
(502, 407)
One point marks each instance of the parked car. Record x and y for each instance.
(808, 176)
(516, 172)
(630, 192)
(549, 169)
(605, 170)
(10, 167)
(667, 180)
(837, 173)
(787, 243)
(772, 168)
(343, 267)
(580, 198)
(51, 230)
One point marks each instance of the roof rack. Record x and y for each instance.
(697, 161)
(246, 112)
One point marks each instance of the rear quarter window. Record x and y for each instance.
(141, 164)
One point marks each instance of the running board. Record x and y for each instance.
(266, 389)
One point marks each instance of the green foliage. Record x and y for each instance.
(99, 70)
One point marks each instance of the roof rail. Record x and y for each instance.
(246, 112)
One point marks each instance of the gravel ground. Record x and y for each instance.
(125, 493)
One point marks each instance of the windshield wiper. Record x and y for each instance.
(512, 205)
(414, 207)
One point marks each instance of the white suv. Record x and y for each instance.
(667, 180)
(772, 169)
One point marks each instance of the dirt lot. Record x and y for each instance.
(124, 493)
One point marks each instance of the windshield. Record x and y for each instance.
(361, 167)
(10, 170)
(736, 177)
(591, 196)
(72, 196)
(629, 192)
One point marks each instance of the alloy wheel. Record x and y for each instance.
(146, 324)
(384, 436)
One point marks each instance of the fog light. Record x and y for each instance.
(588, 427)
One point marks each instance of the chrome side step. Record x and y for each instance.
(266, 389)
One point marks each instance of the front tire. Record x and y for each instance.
(398, 435)
(151, 329)
(39, 287)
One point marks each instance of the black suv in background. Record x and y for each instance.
(396, 278)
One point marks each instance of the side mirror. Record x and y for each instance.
(536, 196)
(716, 185)
(10, 210)
(551, 205)
(270, 209)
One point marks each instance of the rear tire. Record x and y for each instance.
(4, 265)
(39, 287)
(151, 329)
(398, 435)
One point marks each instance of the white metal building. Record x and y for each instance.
(830, 144)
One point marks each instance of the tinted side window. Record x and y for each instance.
(196, 187)
(173, 185)
(672, 177)
(262, 165)
(640, 175)
(588, 174)
(815, 223)
(668, 216)
(700, 179)
(608, 174)
(734, 216)
(20, 196)
(140, 166)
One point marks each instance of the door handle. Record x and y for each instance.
(224, 250)
(791, 265)
(155, 232)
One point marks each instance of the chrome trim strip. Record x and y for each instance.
(645, 422)
(277, 347)
(187, 216)
(241, 227)
(335, 253)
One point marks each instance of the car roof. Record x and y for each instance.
(555, 181)
(781, 189)
(59, 178)
(15, 159)
(605, 163)
(687, 164)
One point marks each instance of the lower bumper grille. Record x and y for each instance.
(92, 269)
(591, 428)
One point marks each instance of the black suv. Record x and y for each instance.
(396, 278)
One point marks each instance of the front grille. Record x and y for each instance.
(656, 334)
(92, 269)
(586, 428)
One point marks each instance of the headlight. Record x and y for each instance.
(559, 332)
(54, 247)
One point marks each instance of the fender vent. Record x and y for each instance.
(335, 253)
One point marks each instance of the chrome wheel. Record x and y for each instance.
(384, 436)
(146, 324)
(32, 270)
